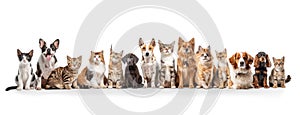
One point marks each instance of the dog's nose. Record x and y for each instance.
(186, 50)
(48, 50)
(242, 63)
(147, 54)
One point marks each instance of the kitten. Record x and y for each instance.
(223, 71)
(25, 78)
(115, 74)
(65, 77)
(167, 71)
(277, 77)
(93, 76)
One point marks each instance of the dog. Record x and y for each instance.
(261, 62)
(241, 65)
(277, 77)
(223, 71)
(186, 64)
(46, 62)
(149, 64)
(132, 75)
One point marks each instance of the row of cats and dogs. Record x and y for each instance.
(193, 69)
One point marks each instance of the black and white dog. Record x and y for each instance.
(46, 62)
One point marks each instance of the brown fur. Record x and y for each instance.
(186, 65)
(223, 69)
(277, 77)
(261, 62)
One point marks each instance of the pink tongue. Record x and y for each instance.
(48, 57)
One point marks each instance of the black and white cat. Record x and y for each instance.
(25, 78)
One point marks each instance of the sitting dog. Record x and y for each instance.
(241, 65)
(186, 64)
(149, 65)
(277, 77)
(46, 62)
(261, 62)
(132, 75)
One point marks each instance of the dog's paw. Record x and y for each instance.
(205, 87)
(161, 87)
(221, 87)
(27, 88)
(274, 86)
(256, 86)
(266, 87)
(173, 87)
(76, 87)
(38, 88)
(198, 87)
(191, 86)
(283, 86)
(180, 86)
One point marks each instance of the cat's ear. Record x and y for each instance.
(141, 42)
(80, 58)
(56, 43)
(208, 47)
(19, 52)
(69, 58)
(283, 58)
(42, 43)
(173, 43)
(225, 50)
(102, 51)
(274, 59)
(160, 43)
(31, 53)
(110, 49)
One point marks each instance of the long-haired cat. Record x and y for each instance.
(25, 78)
(167, 72)
(65, 77)
(223, 71)
(115, 73)
(93, 76)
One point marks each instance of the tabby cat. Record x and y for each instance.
(167, 72)
(65, 77)
(115, 73)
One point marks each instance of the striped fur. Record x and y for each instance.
(65, 77)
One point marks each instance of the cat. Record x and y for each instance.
(25, 78)
(277, 77)
(223, 71)
(92, 76)
(65, 77)
(167, 71)
(115, 74)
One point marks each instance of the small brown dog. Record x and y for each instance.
(186, 64)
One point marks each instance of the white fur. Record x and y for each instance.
(24, 77)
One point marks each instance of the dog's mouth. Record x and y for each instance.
(48, 56)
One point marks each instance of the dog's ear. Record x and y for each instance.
(135, 59)
(141, 42)
(56, 43)
(180, 41)
(256, 62)
(200, 48)
(250, 59)
(208, 47)
(42, 43)
(152, 42)
(19, 52)
(283, 58)
(269, 64)
(31, 53)
(232, 59)
(121, 52)
(124, 59)
(192, 42)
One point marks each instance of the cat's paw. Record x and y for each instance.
(161, 87)
(191, 86)
(110, 87)
(38, 88)
(27, 88)
(180, 86)
(19, 88)
(173, 87)
(198, 87)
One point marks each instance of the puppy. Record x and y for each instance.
(132, 75)
(46, 62)
(277, 77)
(223, 71)
(186, 64)
(149, 65)
(241, 65)
(205, 67)
(261, 62)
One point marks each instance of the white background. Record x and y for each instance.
(252, 26)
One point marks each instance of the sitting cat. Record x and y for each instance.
(65, 77)
(93, 76)
(115, 73)
(25, 78)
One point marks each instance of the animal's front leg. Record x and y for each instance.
(118, 85)
(28, 81)
(275, 83)
(20, 83)
(282, 82)
(153, 79)
(173, 83)
(221, 80)
(39, 83)
(75, 85)
(191, 75)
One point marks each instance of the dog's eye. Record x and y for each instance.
(150, 48)
(144, 48)
(202, 54)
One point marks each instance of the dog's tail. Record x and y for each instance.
(11, 88)
(288, 79)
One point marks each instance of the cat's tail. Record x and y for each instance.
(288, 79)
(11, 88)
